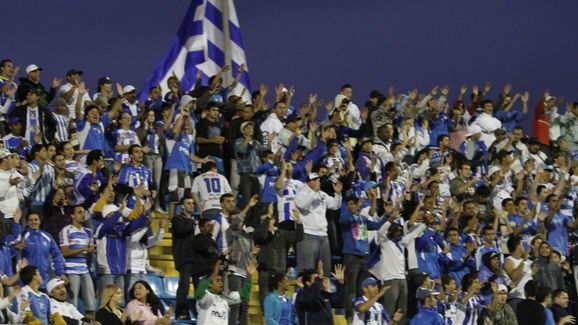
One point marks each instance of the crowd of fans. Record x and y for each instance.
(425, 210)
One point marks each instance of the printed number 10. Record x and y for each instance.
(213, 185)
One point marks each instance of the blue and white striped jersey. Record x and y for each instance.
(75, 238)
(40, 189)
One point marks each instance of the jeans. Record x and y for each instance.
(355, 273)
(312, 249)
(396, 297)
(81, 284)
(249, 186)
(185, 274)
(104, 280)
(155, 163)
(264, 278)
(238, 311)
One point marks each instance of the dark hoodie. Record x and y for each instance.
(314, 303)
(549, 273)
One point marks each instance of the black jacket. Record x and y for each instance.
(183, 230)
(530, 312)
(206, 254)
(26, 85)
(273, 254)
(46, 121)
(314, 303)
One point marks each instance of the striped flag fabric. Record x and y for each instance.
(208, 39)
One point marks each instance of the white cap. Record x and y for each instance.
(473, 129)
(502, 287)
(312, 176)
(549, 98)
(53, 283)
(108, 209)
(32, 67)
(493, 170)
(128, 88)
(4, 153)
(185, 99)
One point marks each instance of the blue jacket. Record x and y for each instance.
(428, 316)
(40, 245)
(274, 307)
(426, 248)
(112, 242)
(315, 155)
(355, 240)
(455, 264)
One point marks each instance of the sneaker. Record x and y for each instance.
(151, 269)
(160, 210)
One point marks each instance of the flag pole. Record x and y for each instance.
(228, 77)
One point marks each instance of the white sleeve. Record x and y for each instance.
(333, 202)
(156, 239)
(195, 188)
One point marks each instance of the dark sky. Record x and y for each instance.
(316, 45)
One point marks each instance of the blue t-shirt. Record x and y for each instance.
(179, 156)
(558, 232)
(91, 136)
(286, 311)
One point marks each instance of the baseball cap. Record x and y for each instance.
(53, 283)
(244, 124)
(128, 89)
(369, 185)
(502, 288)
(32, 67)
(493, 170)
(14, 120)
(104, 80)
(292, 118)
(549, 98)
(74, 71)
(533, 140)
(368, 282)
(500, 131)
(424, 293)
(4, 153)
(312, 176)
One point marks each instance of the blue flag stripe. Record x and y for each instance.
(244, 77)
(215, 54)
(193, 58)
(214, 15)
(235, 34)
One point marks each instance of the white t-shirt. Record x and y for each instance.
(210, 186)
(71, 103)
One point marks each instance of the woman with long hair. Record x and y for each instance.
(145, 303)
(549, 273)
(110, 312)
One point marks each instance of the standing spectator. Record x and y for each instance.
(137, 257)
(37, 121)
(14, 141)
(103, 89)
(137, 174)
(273, 126)
(558, 225)
(210, 136)
(487, 122)
(38, 303)
(530, 311)
(90, 130)
(124, 138)
(41, 250)
(151, 136)
(40, 189)
(70, 91)
(56, 211)
(518, 269)
(355, 248)
(88, 180)
(8, 87)
(32, 81)
(314, 300)
(131, 106)
(428, 313)
(223, 219)
(549, 273)
(278, 308)
(207, 190)
(498, 312)
(313, 204)
(367, 309)
(247, 153)
(77, 245)
(183, 231)
(560, 307)
(274, 243)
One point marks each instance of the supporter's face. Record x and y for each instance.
(32, 97)
(451, 286)
(151, 117)
(466, 171)
(517, 135)
(15, 163)
(217, 285)
(38, 276)
(281, 110)
(140, 292)
(545, 250)
(352, 206)
(284, 284)
(8, 69)
(522, 206)
(125, 120)
(347, 92)
(60, 109)
(367, 146)
(489, 235)
(16, 128)
(371, 291)
(207, 228)
(556, 259)
(564, 145)
(131, 97)
(59, 292)
(330, 133)
(189, 205)
(58, 197)
(314, 184)
(428, 204)
(332, 149)
(137, 154)
(248, 113)
(495, 263)
(228, 204)
(457, 113)
(554, 203)
(510, 207)
(445, 142)
(534, 148)
(214, 113)
(562, 300)
(93, 116)
(42, 154)
(34, 221)
(501, 297)
(155, 93)
(78, 214)
(453, 237)
(106, 88)
(117, 297)
(50, 152)
(289, 170)
(34, 75)
(488, 108)
(322, 171)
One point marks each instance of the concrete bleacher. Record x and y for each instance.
(161, 258)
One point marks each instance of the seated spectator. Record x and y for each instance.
(110, 311)
(58, 304)
(498, 312)
(366, 307)
(428, 313)
(146, 303)
(38, 309)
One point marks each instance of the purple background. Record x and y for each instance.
(317, 45)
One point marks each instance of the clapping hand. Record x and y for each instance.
(339, 273)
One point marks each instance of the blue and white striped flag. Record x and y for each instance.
(201, 43)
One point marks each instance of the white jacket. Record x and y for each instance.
(313, 206)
